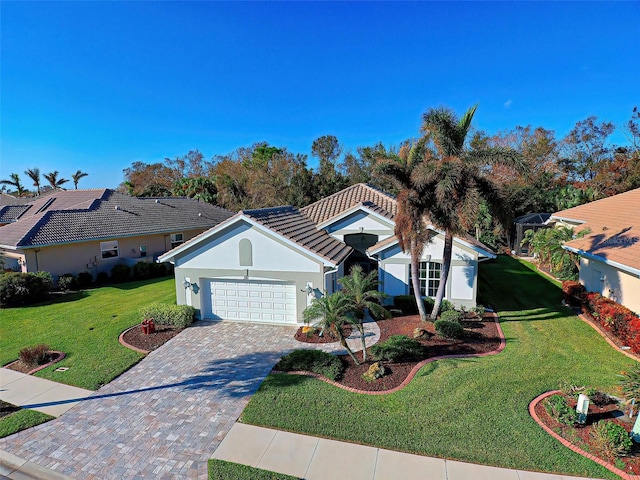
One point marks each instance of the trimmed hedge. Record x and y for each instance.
(67, 282)
(615, 318)
(17, 288)
(398, 348)
(120, 273)
(449, 329)
(573, 292)
(315, 361)
(162, 314)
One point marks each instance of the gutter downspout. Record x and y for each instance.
(327, 273)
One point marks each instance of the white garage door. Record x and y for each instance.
(253, 300)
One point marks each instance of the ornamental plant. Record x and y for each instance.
(615, 318)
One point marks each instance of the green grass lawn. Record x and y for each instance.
(21, 420)
(473, 409)
(221, 470)
(85, 326)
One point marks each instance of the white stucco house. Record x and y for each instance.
(267, 265)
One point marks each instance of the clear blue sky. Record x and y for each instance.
(98, 85)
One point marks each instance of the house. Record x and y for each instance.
(610, 252)
(267, 265)
(93, 230)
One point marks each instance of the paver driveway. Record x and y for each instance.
(165, 416)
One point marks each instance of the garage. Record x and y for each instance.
(253, 300)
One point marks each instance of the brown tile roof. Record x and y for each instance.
(359, 194)
(614, 223)
(292, 224)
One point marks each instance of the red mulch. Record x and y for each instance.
(150, 341)
(328, 337)
(581, 436)
(482, 337)
(20, 366)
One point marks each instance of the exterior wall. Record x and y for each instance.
(360, 222)
(11, 260)
(615, 284)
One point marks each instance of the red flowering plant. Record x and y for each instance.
(615, 318)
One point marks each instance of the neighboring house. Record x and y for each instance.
(93, 230)
(267, 265)
(610, 253)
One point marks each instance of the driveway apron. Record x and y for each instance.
(164, 417)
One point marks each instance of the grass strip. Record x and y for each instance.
(221, 470)
(21, 420)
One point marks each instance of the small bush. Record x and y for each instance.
(446, 305)
(35, 355)
(315, 361)
(612, 439)
(558, 408)
(615, 318)
(67, 282)
(17, 288)
(158, 270)
(142, 270)
(479, 310)
(85, 279)
(398, 348)
(179, 316)
(408, 305)
(451, 316)
(573, 292)
(630, 383)
(121, 273)
(449, 329)
(102, 278)
(46, 280)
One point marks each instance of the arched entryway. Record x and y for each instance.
(360, 242)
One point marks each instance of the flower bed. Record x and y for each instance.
(614, 318)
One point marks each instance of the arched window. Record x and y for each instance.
(246, 253)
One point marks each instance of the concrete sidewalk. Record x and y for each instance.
(39, 394)
(314, 458)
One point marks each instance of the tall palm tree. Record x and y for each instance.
(331, 313)
(77, 176)
(410, 227)
(34, 174)
(14, 181)
(363, 292)
(54, 181)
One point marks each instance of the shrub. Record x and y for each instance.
(85, 279)
(17, 288)
(451, 316)
(449, 329)
(142, 270)
(398, 348)
(630, 383)
(573, 292)
(35, 355)
(46, 280)
(179, 316)
(121, 273)
(479, 310)
(612, 439)
(619, 320)
(102, 278)
(446, 305)
(67, 282)
(558, 408)
(407, 303)
(315, 361)
(158, 269)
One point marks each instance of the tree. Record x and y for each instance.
(363, 292)
(546, 245)
(331, 313)
(199, 188)
(14, 181)
(34, 174)
(155, 179)
(77, 176)
(54, 181)
(328, 150)
(585, 147)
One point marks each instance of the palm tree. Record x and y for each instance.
(363, 292)
(14, 181)
(330, 313)
(77, 176)
(34, 174)
(410, 227)
(53, 179)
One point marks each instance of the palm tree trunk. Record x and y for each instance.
(444, 273)
(415, 279)
(343, 342)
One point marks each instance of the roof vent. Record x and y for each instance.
(199, 214)
(117, 207)
(157, 201)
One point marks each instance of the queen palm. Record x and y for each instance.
(14, 181)
(53, 179)
(77, 176)
(331, 313)
(363, 292)
(34, 174)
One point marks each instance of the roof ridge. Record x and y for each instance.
(341, 192)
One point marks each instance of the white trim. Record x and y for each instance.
(355, 208)
(597, 258)
(564, 219)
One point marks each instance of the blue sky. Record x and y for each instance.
(98, 85)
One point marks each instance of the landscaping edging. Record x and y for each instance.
(570, 445)
(125, 344)
(593, 325)
(414, 370)
(60, 356)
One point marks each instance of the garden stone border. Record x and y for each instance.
(414, 370)
(125, 344)
(60, 357)
(568, 444)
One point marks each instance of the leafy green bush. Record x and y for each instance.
(35, 355)
(67, 282)
(398, 348)
(479, 310)
(142, 270)
(558, 408)
(612, 439)
(449, 329)
(451, 316)
(630, 382)
(446, 305)
(408, 305)
(17, 288)
(120, 273)
(315, 361)
(162, 314)
(85, 279)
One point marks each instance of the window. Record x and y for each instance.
(109, 249)
(176, 239)
(143, 250)
(429, 277)
(245, 251)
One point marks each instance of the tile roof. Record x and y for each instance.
(292, 224)
(11, 213)
(6, 199)
(82, 215)
(358, 194)
(614, 223)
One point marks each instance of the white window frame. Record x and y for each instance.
(109, 246)
(429, 278)
(175, 241)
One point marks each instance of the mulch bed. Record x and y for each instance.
(482, 337)
(7, 409)
(581, 435)
(328, 337)
(150, 341)
(20, 366)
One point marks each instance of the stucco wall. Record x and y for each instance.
(361, 222)
(611, 282)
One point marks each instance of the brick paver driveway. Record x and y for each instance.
(164, 417)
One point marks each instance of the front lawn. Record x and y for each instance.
(475, 409)
(14, 419)
(85, 326)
